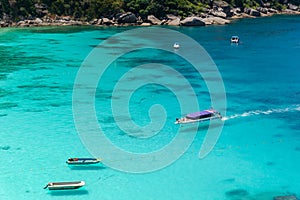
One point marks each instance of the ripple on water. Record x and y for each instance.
(4, 92)
(7, 105)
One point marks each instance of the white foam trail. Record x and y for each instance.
(263, 112)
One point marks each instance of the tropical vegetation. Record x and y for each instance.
(90, 9)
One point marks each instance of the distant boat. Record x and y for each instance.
(235, 39)
(176, 45)
(199, 116)
(64, 185)
(83, 161)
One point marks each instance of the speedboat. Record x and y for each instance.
(235, 39)
(64, 185)
(200, 116)
(84, 161)
(176, 45)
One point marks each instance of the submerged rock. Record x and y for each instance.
(289, 197)
(237, 193)
(5, 148)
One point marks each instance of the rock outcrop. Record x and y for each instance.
(293, 7)
(153, 20)
(106, 21)
(127, 18)
(271, 10)
(146, 24)
(252, 12)
(215, 20)
(173, 20)
(192, 21)
(262, 10)
(222, 6)
(218, 14)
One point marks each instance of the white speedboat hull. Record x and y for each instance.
(65, 185)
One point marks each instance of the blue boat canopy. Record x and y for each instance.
(201, 114)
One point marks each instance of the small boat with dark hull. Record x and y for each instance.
(199, 116)
(83, 161)
(64, 185)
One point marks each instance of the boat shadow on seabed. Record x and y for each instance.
(76, 167)
(68, 192)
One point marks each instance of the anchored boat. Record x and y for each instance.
(64, 185)
(176, 45)
(235, 39)
(84, 161)
(199, 116)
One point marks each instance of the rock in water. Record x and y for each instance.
(173, 20)
(153, 20)
(238, 193)
(192, 21)
(107, 21)
(127, 18)
(5, 147)
(215, 20)
(289, 197)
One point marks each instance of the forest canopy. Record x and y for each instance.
(90, 9)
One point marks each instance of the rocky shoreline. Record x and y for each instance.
(221, 13)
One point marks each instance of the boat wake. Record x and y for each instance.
(263, 112)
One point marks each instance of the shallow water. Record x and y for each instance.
(256, 156)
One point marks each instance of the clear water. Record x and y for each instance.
(256, 157)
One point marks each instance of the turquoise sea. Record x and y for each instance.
(256, 157)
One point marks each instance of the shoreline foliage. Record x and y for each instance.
(90, 9)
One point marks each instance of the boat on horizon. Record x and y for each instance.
(200, 116)
(64, 185)
(83, 161)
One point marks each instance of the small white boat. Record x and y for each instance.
(176, 45)
(84, 161)
(199, 116)
(235, 39)
(64, 185)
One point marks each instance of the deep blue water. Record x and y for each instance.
(256, 156)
